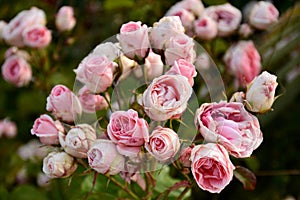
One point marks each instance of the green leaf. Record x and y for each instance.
(110, 5)
(27, 192)
(246, 177)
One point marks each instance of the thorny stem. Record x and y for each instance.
(126, 189)
(93, 186)
(150, 185)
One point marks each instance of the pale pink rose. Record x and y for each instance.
(260, 94)
(36, 36)
(163, 30)
(126, 66)
(8, 128)
(184, 68)
(33, 150)
(12, 33)
(91, 102)
(245, 30)
(63, 104)
(16, 51)
(163, 144)
(238, 97)
(185, 16)
(42, 180)
(96, 72)
(211, 167)
(46, 129)
(228, 18)
(64, 19)
(128, 131)
(202, 61)
(180, 46)
(16, 70)
(205, 28)
(104, 158)
(154, 66)
(243, 61)
(133, 39)
(263, 14)
(78, 140)
(166, 97)
(2, 25)
(59, 165)
(185, 156)
(111, 50)
(194, 6)
(230, 125)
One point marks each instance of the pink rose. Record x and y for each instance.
(243, 61)
(184, 68)
(211, 167)
(245, 30)
(33, 150)
(96, 72)
(230, 125)
(63, 103)
(111, 50)
(16, 51)
(8, 128)
(128, 131)
(16, 70)
(154, 66)
(104, 158)
(205, 28)
(228, 18)
(91, 102)
(64, 19)
(194, 6)
(163, 144)
(37, 36)
(12, 33)
(260, 94)
(166, 97)
(133, 39)
(163, 30)
(185, 16)
(180, 46)
(78, 140)
(47, 129)
(263, 14)
(2, 25)
(59, 165)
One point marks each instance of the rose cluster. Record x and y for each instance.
(164, 55)
(28, 30)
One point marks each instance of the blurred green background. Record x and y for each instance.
(276, 162)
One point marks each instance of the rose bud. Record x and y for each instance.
(185, 16)
(154, 67)
(163, 30)
(104, 157)
(230, 125)
(228, 18)
(260, 93)
(166, 97)
(96, 72)
(205, 28)
(12, 33)
(17, 52)
(64, 19)
(245, 30)
(194, 6)
(78, 140)
(16, 70)
(59, 165)
(2, 25)
(185, 156)
(63, 104)
(184, 68)
(133, 39)
(128, 131)
(211, 167)
(238, 97)
(163, 144)
(91, 102)
(8, 128)
(180, 46)
(263, 14)
(243, 61)
(37, 36)
(47, 130)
